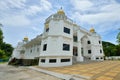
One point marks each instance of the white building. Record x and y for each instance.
(62, 43)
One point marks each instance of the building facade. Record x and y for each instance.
(62, 43)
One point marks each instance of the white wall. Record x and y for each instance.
(56, 37)
(31, 55)
(58, 62)
(56, 28)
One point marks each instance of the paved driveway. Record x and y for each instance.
(22, 73)
(106, 70)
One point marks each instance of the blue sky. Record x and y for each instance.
(22, 18)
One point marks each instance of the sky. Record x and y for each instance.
(22, 18)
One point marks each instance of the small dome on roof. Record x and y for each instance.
(92, 30)
(25, 38)
(60, 11)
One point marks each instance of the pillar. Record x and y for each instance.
(79, 57)
(93, 57)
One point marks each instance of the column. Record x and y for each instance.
(93, 53)
(79, 57)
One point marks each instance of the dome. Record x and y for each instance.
(60, 11)
(92, 30)
(25, 38)
(47, 25)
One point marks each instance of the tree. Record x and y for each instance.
(118, 37)
(1, 36)
(118, 50)
(2, 54)
(5, 49)
(109, 49)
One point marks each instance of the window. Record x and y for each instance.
(99, 42)
(52, 61)
(66, 30)
(101, 57)
(100, 51)
(47, 29)
(66, 47)
(89, 51)
(97, 58)
(65, 60)
(44, 47)
(37, 49)
(31, 51)
(43, 60)
(82, 51)
(75, 38)
(88, 42)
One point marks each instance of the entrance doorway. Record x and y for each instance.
(75, 54)
(75, 51)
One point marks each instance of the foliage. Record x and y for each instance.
(118, 38)
(111, 49)
(1, 36)
(5, 49)
(118, 50)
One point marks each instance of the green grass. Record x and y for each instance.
(2, 62)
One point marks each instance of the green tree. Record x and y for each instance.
(5, 49)
(2, 54)
(1, 37)
(109, 49)
(118, 38)
(118, 50)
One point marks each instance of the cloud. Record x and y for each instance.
(43, 6)
(105, 13)
(100, 17)
(36, 29)
(46, 5)
(8, 4)
(22, 7)
(15, 21)
(103, 16)
(32, 10)
(20, 13)
(81, 4)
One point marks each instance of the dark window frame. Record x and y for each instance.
(66, 47)
(75, 38)
(47, 29)
(65, 60)
(88, 42)
(44, 47)
(43, 60)
(97, 58)
(31, 51)
(66, 30)
(52, 60)
(38, 49)
(99, 42)
(100, 51)
(89, 51)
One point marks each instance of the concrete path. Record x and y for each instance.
(22, 73)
